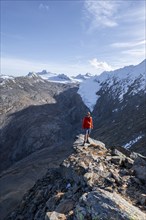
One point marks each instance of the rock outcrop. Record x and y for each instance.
(92, 183)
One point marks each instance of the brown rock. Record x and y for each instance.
(55, 216)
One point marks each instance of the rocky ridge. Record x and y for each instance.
(92, 183)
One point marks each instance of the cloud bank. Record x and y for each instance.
(100, 65)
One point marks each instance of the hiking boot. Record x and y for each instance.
(83, 143)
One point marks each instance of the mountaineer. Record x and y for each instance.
(87, 125)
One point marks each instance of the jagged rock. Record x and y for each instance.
(101, 204)
(119, 150)
(116, 152)
(117, 177)
(110, 180)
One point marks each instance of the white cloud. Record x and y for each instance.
(111, 13)
(101, 13)
(100, 65)
(128, 44)
(135, 49)
(135, 52)
(43, 7)
(134, 12)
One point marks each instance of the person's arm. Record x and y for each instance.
(91, 123)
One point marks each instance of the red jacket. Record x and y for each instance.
(87, 122)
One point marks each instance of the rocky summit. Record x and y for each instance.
(91, 183)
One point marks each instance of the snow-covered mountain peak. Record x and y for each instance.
(127, 71)
(88, 75)
(4, 78)
(32, 74)
(60, 78)
(43, 72)
(82, 77)
(118, 81)
(63, 77)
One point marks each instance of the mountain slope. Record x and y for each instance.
(36, 114)
(117, 100)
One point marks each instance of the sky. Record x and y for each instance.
(71, 37)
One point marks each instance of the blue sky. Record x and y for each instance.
(71, 37)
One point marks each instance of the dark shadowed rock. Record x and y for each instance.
(139, 167)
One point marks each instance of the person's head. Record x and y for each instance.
(88, 114)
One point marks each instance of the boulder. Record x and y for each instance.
(139, 167)
(101, 204)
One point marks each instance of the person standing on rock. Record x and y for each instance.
(87, 125)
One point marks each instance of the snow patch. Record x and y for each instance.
(130, 143)
(6, 77)
(115, 110)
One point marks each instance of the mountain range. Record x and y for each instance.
(62, 78)
(41, 114)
